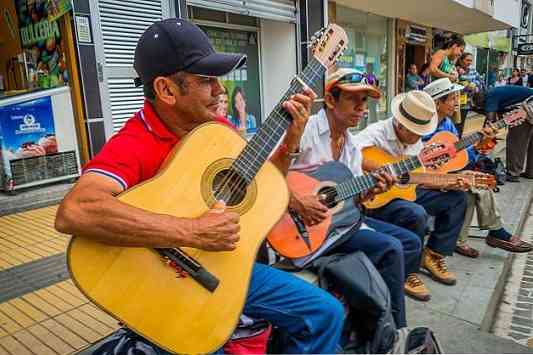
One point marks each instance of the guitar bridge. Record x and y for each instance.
(191, 267)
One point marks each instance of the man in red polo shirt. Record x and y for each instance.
(178, 69)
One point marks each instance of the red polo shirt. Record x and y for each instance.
(137, 151)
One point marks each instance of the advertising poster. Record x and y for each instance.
(42, 42)
(242, 102)
(27, 129)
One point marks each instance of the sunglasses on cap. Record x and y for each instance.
(357, 78)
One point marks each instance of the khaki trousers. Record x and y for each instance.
(520, 145)
(488, 216)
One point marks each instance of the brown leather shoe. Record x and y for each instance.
(467, 250)
(514, 245)
(437, 267)
(415, 288)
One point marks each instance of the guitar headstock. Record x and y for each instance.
(328, 44)
(436, 154)
(515, 117)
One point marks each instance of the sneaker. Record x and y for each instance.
(415, 288)
(437, 267)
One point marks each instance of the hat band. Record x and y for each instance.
(443, 92)
(411, 117)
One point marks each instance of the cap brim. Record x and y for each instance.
(217, 64)
(372, 91)
(421, 130)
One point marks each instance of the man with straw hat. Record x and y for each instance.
(414, 116)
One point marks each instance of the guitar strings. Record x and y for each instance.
(240, 183)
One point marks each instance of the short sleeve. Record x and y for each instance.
(120, 160)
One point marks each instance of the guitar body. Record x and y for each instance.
(458, 162)
(285, 237)
(138, 288)
(398, 191)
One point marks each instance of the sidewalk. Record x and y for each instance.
(41, 311)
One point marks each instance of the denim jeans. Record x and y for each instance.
(448, 208)
(394, 251)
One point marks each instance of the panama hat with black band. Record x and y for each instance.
(416, 111)
(442, 87)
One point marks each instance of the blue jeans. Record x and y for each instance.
(394, 251)
(448, 208)
(311, 317)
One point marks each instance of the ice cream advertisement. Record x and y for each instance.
(27, 129)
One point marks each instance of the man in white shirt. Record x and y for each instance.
(401, 135)
(395, 251)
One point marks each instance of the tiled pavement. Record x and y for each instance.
(41, 311)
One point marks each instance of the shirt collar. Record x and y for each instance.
(323, 123)
(153, 123)
(390, 133)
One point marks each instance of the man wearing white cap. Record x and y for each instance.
(414, 116)
(395, 251)
(482, 201)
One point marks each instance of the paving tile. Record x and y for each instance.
(41, 304)
(8, 324)
(89, 321)
(65, 334)
(50, 339)
(77, 327)
(13, 346)
(28, 309)
(33, 343)
(19, 317)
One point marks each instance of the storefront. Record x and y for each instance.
(368, 51)
(40, 96)
(414, 45)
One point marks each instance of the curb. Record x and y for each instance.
(495, 299)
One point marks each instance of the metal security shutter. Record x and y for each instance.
(122, 22)
(281, 10)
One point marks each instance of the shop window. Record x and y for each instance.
(203, 14)
(367, 52)
(242, 104)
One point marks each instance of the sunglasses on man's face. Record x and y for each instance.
(356, 78)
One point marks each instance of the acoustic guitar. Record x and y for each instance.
(335, 187)
(143, 287)
(511, 119)
(406, 188)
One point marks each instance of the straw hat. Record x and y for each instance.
(416, 111)
(442, 87)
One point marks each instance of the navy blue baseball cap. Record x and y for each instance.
(175, 44)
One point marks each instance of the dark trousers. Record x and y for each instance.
(520, 145)
(394, 251)
(448, 208)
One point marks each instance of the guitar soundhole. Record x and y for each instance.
(328, 196)
(229, 187)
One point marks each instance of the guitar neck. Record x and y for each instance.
(364, 183)
(257, 151)
(474, 138)
(436, 179)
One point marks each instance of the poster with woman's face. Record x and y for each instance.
(242, 102)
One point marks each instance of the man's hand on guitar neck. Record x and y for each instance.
(309, 208)
(384, 181)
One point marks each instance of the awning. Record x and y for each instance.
(442, 14)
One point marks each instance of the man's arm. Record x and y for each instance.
(91, 210)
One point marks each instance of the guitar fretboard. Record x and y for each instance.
(363, 183)
(474, 138)
(265, 140)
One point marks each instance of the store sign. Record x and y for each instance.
(39, 32)
(42, 42)
(525, 49)
(416, 34)
(83, 29)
